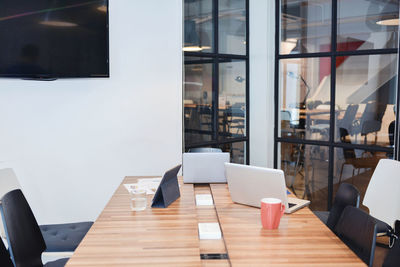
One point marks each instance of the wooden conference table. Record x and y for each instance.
(169, 237)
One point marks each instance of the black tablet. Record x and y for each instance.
(168, 190)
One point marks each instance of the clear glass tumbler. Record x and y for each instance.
(138, 199)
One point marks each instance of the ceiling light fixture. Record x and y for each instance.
(102, 8)
(388, 22)
(56, 23)
(195, 48)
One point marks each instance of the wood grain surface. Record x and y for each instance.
(153, 237)
(169, 237)
(301, 240)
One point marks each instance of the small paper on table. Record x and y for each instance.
(150, 185)
(209, 231)
(204, 200)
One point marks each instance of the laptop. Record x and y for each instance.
(204, 167)
(248, 185)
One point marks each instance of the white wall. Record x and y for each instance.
(71, 142)
(262, 53)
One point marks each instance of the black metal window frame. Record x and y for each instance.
(333, 54)
(215, 58)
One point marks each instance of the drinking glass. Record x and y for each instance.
(138, 199)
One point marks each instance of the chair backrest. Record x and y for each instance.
(285, 115)
(205, 150)
(24, 236)
(8, 182)
(369, 112)
(357, 230)
(5, 260)
(238, 109)
(347, 195)
(382, 196)
(348, 117)
(371, 119)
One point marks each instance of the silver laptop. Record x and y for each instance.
(204, 167)
(248, 185)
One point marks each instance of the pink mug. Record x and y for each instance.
(272, 210)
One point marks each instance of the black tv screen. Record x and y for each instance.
(53, 38)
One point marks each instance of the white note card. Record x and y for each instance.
(204, 200)
(209, 231)
(148, 184)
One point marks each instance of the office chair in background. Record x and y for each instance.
(366, 161)
(370, 121)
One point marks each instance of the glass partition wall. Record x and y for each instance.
(336, 93)
(216, 87)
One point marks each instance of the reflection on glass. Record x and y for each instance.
(305, 26)
(356, 167)
(304, 88)
(365, 98)
(366, 24)
(232, 99)
(306, 172)
(198, 26)
(232, 27)
(198, 103)
(237, 151)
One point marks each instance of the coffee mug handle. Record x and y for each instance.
(282, 209)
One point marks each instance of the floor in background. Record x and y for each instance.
(319, 191)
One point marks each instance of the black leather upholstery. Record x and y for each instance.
(23, 232)
(25, 239)
(357, 230)
(382, 227)
(347, 195)
(5, 260)
(393, 257)
(64, 237)
(322, 215)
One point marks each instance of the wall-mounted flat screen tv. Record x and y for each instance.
(54, 38)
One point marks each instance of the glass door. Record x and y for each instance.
(336, 93)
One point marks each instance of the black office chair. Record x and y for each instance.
(205, 150)
(26, 243)
(5, 260)
(357, 230)
(347, 195)
(64, 237)
(392, 258)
